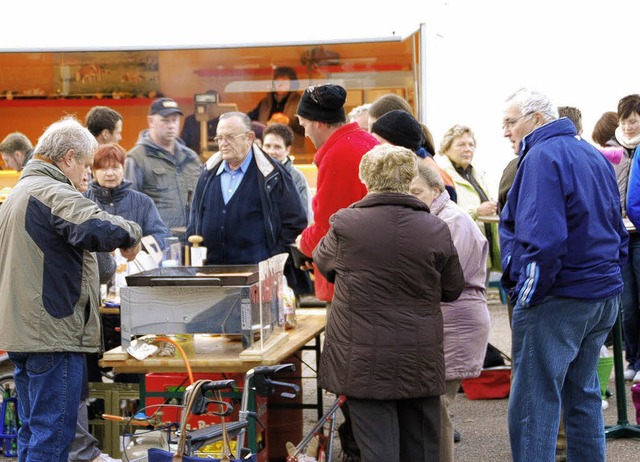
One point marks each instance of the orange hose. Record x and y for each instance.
(184, 356)
(117, 418)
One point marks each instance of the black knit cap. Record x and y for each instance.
(400, 129)
(323, 103)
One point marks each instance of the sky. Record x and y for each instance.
(579, 53)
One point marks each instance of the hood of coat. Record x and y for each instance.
(389, 198)
(39, 167)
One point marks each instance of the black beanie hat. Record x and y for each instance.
(400, 129)
(323, 103)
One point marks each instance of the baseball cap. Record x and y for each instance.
(164, 107)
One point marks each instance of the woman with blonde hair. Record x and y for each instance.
(392, 263)
(456, 153)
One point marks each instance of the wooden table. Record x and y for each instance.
(225, 353)
(226, 357)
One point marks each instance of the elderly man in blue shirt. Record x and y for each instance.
(245, 204)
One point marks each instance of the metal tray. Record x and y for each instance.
(211, 275)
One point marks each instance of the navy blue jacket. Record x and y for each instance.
(132, 205)
(561, 231)
(283, 214)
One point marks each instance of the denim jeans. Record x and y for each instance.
(630, 303)
(48, 387)
(555, 353)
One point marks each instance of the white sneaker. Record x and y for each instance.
(636, 378)
(629, 374)
(105, 458)
(605, 404)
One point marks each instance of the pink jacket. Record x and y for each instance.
(466, 320)
(337, 187)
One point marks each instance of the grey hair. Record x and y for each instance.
(430, 176)
(244, 118)
(64, 135)
(356, 111)
(388, 168)
(531, 101)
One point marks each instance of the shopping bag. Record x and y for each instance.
(605, 367)
(493, 383)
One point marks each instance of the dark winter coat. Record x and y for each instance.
(132, 205)
(392, 263)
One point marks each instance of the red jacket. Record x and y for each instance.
(337, 187)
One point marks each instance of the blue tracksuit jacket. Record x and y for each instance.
(561, 232)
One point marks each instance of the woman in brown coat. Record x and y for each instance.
(392, 264)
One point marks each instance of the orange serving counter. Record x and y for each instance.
(32, 116)
(8, 178)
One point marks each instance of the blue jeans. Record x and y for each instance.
(630, 304)
(555, 353)
(48, 387)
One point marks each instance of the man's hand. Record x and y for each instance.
(487, 208)
(307, 264)
(130, 254)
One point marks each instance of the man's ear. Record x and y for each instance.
(538, 119)
(105, 133)
(68, 157)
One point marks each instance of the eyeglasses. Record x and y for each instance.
(228, 138)
(510, 123)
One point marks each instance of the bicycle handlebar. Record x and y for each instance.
(270, 370)
(264, 386)
(217, 385)
(201, 402)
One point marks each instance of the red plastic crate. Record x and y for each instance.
(167, 382)
(163, 382)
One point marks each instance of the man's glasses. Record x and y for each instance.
(510, 123)
(228, 138)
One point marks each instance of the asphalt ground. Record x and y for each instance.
(483, 423)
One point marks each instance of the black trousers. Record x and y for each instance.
(398, 430)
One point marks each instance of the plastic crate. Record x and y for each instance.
(109, 398)
(168, 388)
